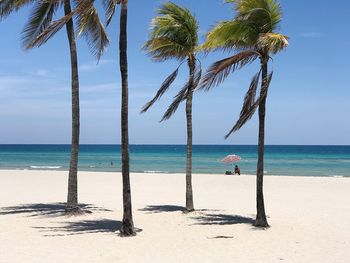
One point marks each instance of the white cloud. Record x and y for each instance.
(27, 85)
(92, 66)
(41, 73)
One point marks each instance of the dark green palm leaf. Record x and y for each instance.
(9, 6)
(253, 18)
(51, 30)
(161, 49)
(197, 77)
(182, 95)
(173, 34)
(250, 104)
(228, 35)
(39, 20)
(264, 14)
(220, 70)
(110, 6)
(164, 87)
(90, 26)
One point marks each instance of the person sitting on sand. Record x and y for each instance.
(237, 170)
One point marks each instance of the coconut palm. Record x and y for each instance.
(252, 34)
(127, 228)
(39, 29)
(174, 35)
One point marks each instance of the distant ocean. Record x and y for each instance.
(279, 160)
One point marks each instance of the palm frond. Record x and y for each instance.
(227, 35)
(40, 18)
(51, 30)
(90, 26)
(252, 18)
(174, 33)
(265, 15)
(219, 71)
(180, 96)
(164, 87)
(197, 76)
(162, 49)
(110, 6)
(9, 6)
(176, 15)
(250, 104)
(273, 42)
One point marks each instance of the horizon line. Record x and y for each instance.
(167, 144)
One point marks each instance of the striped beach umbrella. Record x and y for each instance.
(232, 158)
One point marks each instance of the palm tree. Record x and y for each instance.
(252, 33)
(127, 228)
(40, 28)
(174, 35)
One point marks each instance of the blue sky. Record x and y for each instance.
(308, 101)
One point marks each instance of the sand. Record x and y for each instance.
(309, 218)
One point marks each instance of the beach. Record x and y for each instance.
(309, 218)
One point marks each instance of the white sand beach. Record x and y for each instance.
(309, 218)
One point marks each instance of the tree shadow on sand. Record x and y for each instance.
(222, 219)
(82, 227)
(150, 209)
(45, 210)
(162, 208)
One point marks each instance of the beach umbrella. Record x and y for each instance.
(232, 158)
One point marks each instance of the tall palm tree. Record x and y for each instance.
(127, 228)
(39, 29)
(174, 35)
(252, 33)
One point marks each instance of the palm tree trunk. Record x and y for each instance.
(261, 220)
(127, 228)
(72, 198)
(189, 194)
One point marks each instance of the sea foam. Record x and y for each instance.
(44, 167)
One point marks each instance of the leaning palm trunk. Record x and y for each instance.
(127, 228)
(175, 36)
(72, 199)
(38, 30)
(253, 34)
(261, 220)
(189, 194)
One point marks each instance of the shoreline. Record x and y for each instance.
(279, 160)
(175, 173)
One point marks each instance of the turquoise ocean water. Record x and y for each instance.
(279, 160)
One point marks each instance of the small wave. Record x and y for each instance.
(155, 172)
(338, 176)
(44, 167)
